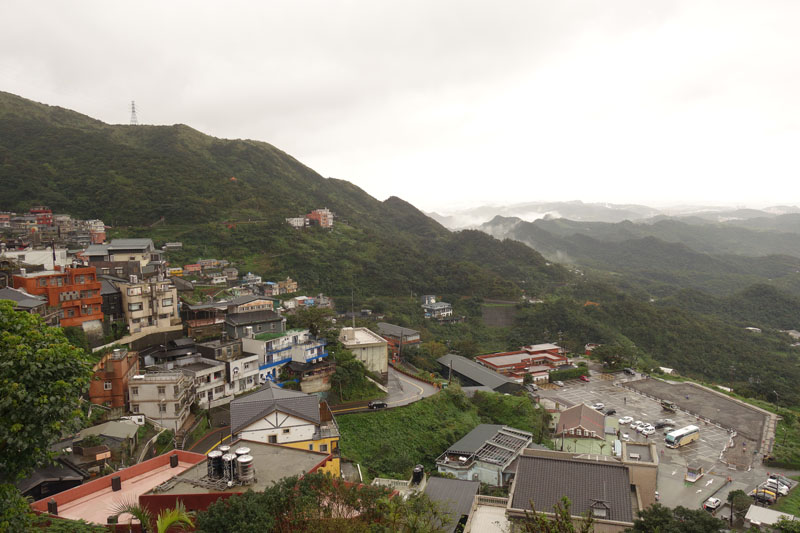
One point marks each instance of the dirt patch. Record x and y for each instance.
(741, 454)
(747, 421)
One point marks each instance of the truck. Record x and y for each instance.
(668, 406)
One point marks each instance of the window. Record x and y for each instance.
(120, 271)
(135, 407)
(311, 447)
(105, 270)
(273, 439)
(166, 302)
(578, 432)
(43, 282)
(106, 385)
(323, 447)
(162, 408)
(286, 431)
(135, 391)
(136, 306)
(246, 366)
(162, 389)
(175, 389)
(134, 291)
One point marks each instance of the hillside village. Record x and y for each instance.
(208, 381)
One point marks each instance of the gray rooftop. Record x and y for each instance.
(271, 462)
(437, 305)
(474, 371)
(119, 430)
(454, 495)
(472, 441)
(107, 287)
(269, 398)
(587, 484)
(21, 298)
(392, 330)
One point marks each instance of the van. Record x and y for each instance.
(775, 486)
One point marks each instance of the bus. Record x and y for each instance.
(682, 437)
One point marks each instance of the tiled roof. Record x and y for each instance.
(392, 330)
(248, 409)
(22, 298)
(587, 484)
(474, 371)
(454, 495)
(584, 416)
(128, 244)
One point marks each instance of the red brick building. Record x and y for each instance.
(74, 291)
(111, 375)
(537, 359)
(44, 216)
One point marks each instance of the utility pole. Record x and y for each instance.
(134, 120)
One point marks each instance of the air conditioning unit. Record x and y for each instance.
(134, 278)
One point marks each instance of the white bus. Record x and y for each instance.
(682, 437)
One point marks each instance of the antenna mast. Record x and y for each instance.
(134, 121)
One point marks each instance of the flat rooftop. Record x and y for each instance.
(516, 358)
(94, 501)
(351, 336)
(272, 462)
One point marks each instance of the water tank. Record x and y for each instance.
(419, 473)
(225, 449)
(244, 450)
(245, 469)
(229, 466)
(214, 464)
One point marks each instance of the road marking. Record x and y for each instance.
(337, 411)
(710, 481)
(420, 393)
(674, 472)
(226, 437)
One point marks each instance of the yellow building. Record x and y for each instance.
(290, 418)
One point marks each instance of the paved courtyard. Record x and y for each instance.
(703, 453)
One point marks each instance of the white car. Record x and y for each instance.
(598, 406)
(635, 426)
(558, 383)
(775, 486)
(626, 437)
(648, 430)
(625, 420)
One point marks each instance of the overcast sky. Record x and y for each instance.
(448, 103)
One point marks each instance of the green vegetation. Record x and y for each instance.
(349, 382)
(680, 519)
(386, 445)
(786, 450)
(319, 503)
(569, 373)
(42, 379)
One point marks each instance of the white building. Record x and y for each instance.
(163, 397)
(150, 306)
(30, 256)
(369, 348)
(274, 353)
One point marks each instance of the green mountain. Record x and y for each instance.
(229, 198)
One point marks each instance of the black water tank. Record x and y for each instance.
(52, 507)
(419, 473)
(116, 483)
(173, 460)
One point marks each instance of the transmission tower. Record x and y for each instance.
(134, 121)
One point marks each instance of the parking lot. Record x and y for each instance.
(703, 453)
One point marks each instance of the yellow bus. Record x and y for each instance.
(175, 271)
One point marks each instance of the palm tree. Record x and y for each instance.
(161, 524)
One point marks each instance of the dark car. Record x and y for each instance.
(611, 412)
(630, 371)
(377, 404)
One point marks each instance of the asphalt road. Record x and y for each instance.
(403, 390)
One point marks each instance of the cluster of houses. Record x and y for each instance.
(322, 218)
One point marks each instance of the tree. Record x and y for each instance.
(561, 520)
(660, 519)
(787, 526)
(166, 519)
(618, 354)
(740, 503)
(315, 319)
(42, 378)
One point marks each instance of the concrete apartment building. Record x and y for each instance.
(163, 397)
(274, 352)
(112, 374)
(149, 305)
(74, 291)
(241, 368)
(369, 348)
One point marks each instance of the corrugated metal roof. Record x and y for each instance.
(454, 495)
(384, 328)
(253, 317)
(588, 485)
(475, 439)
(474, 371)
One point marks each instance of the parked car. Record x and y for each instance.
(558, 383)
(775, 486)
(636, 424)
(598, 406)
(611, 411)
(377, 404)
(625, 420)
(664, 422)
(668, 430)
(712, 504)
(648, 430)
(763, 496)
(584, 378)
(630, 371)
(625, 437)
(782, 479)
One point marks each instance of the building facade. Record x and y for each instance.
(149, 305)
(112, 374)
(73, 291)
(369, 348)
